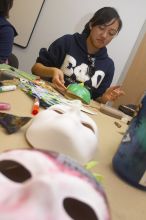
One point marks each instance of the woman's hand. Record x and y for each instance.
(112, 93)
(58, 80)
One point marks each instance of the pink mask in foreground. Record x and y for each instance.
(39, 185)
(64, 129)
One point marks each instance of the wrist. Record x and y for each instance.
(102, 99)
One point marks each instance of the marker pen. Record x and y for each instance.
(7, 88)
(35, 107)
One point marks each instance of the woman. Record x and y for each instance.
(7, 31)
(84, 58)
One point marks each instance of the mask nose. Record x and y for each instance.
(75, 108)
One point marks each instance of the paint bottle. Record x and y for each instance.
(35, 107)
(130, 159)
(7, 88)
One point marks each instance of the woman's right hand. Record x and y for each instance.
(58, 80)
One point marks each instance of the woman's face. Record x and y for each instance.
(101, 35)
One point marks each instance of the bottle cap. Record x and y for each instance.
(4, 106)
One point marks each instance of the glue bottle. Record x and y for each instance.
(7, 88)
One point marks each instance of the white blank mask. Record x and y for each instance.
(64, 129)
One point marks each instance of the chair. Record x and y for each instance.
(13, 61)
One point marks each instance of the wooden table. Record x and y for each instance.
(126, 202)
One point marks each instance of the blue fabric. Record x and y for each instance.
(7, 34)
(70, 54)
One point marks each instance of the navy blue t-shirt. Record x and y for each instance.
(7, 34)
(69, 53)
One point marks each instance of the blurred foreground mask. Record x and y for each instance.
(39, 185)
(64, 129)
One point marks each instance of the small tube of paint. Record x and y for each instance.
(7, 88)
(35, 107)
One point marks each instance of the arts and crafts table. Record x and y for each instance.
(126, 202)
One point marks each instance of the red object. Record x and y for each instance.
(36, 106)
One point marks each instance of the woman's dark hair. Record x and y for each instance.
(5, 6)
(103, 16)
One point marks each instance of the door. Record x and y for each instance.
(134, 83)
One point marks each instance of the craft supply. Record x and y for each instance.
(46, 98)
(12, 123)
(5, 76)
(36, 105)
(17, 73)
(8, 82)
(7, 88)
(78, 91)
(4, 106)
(117, 124)
(108, 110)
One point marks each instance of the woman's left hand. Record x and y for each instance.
(112, 93)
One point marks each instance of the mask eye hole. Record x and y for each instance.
(88, 126)
(14, 171)
(78, 210)
(58, 111)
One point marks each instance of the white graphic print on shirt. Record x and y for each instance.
(69, 68)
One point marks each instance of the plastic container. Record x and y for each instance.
(130, 159)
(79, 91)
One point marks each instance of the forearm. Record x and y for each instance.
(43, 71)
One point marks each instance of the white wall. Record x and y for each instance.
(59, 17)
